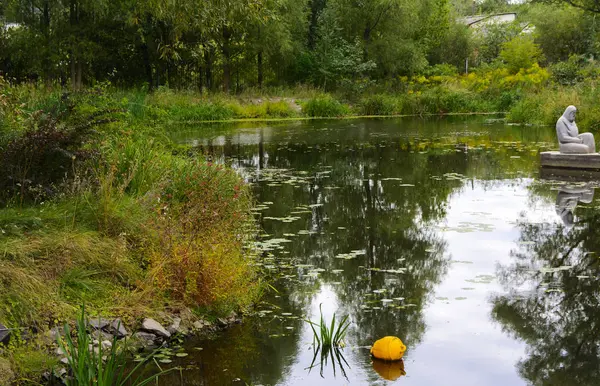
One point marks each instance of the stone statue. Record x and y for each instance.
(569, 139)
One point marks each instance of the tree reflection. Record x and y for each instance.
(553, 302)
(356, 203)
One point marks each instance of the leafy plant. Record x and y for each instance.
(90, 367)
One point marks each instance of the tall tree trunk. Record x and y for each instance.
(259, 64)
(259, 68)
(79, 74)
(147, 66)
(316, 6)
(73, 20)
(226, 51)
(367, 41)
(46, 72)
(208, 55)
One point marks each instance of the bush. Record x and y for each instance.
(204, 224)
(46, 155)
(324, 106)
(568, 72)
(380, 105)
(520, 53)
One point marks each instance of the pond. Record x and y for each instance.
(439, 231)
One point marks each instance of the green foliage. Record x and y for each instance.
(335, 59)
(28, 362)
(6, 373)
(563, 31)
(490, 44)
(568, 72)
(380, 105)
(324, 106)
(86, 365)
(329, 336)
(520, 53)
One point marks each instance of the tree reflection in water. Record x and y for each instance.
(553, 302)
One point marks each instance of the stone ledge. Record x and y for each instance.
(555, 159)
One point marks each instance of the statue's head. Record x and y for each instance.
(570, 113)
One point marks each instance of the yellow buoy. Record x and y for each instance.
(389, 370)
(389, 348)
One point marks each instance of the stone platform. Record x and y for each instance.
(554, 159)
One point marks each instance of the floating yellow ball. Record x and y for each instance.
(388, 348)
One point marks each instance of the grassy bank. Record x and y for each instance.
(99, 208)
(534, 95)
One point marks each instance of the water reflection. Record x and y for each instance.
(553, 302)
(567, 199)
(365, 217)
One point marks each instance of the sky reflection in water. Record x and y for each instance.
(416, 228)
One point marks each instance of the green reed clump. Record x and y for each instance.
(380, 104)
(101, 367)
(325, 106)
(331, 335)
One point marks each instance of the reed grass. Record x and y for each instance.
(102, 367)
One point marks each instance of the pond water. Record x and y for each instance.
(441, 232)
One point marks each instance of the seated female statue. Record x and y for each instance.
(569, 139)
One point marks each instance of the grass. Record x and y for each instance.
(140, 226)
(329, 336)
(101, 367)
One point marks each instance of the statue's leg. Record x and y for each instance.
(588, 140)
(574, 148)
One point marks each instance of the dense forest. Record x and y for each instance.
(233, 45)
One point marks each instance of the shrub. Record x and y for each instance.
(380, 105)
(324, 106)
(520, 53)
(47, 154)
(203, 223)
(568, 72)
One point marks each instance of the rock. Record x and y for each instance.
(6, 373)
(4, 334)
(101, 335)
(145, 336)
(64, 360)
(99, 323)
(143, 340)
(222, 322)
(233, 318)
(151, 325)
(59, 351)
(175, 326)
(54, 333)
(117, 328)
(201, 324)
(106, 345)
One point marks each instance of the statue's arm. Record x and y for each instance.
(563, 134)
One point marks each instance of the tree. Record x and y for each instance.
(520, 52)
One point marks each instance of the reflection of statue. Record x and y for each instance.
(567, 199)
(569, 139)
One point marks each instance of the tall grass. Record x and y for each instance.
(328, 339)
(98, 366)
(325, 106)
(331, 335)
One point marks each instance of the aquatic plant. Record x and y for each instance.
(331, 335)
(98, 367)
